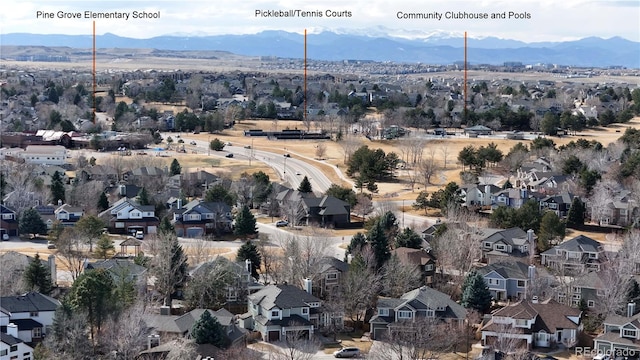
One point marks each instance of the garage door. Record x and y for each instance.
(274, 335)
(194, 232)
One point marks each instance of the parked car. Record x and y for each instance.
(287, 155)
(51, 245)
(247, 146)
(193, 143)
(139, 235)
(5, 237)
(229, 155)
(282, 223)
(348, 352)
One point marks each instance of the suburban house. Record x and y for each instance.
(620, 210)
(506, 244)
(198, 218)
(478, 195)
(138, 175)
(508, 280)
(278, 309)
(620, 333)
(579, 253)
(477, 130)
(11, 347)
(243, 284)
(559, 203)
(420, 258)
(330, 273)
(535, 324)
(195, 182)
(423, 302)
(68, 215)
(512, 197)
(166, 327)
(32, 313)
(8, 221)
(429, 234)
(306, 208)
(122, 270)
(126, 216)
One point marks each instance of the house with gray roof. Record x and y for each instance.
(422, 259)
(32, 313)
(506, 244)
(278, 309)
(534, 324)
(121, 270)
(11, 347)
(8, 221)
(621, 334)
(559, 203)
(508, 280)
(579, 253)
(423, 302)
(199, 217)
(330, 273)
(324, 211)
(478, 195)
(127, 216)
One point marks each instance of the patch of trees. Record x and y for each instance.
(507, 118)
(165, 92)
(368, 166)
(479, 158)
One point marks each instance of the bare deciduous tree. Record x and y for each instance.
(11, 276)
(126, 335)
(423, 338)
(398, 278)
(168, 265)
(321, 151)
(293, 210)
(426, 169)
(296, 346)
(359, 287)
(364, 205)
(71, 252)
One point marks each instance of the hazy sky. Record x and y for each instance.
(550, 20)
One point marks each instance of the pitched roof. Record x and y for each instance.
(282, 297)
(511, 236)
(434, 299)
(549, 315)
(118, 266)
(8, 339)
(507, 269)
(580, 243)
(329, 262)
(413, 256)
(29, 302)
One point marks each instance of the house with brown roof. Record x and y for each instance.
(422, 259)
(534, 324)
(579, 253)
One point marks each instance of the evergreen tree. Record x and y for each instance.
(31, 222)
(245, 223)
(143, 197)
(575, 217)
(90, 227)
(633, 292)
(57, 188)
(103, 202)
(358, 241)
(219, 193)
(408, 238)
(305, 186)
(175, 169)
(476, 294)
(249, 251)
(166, 226)
(104, 246)
(422, 201)
(208, 330)
(38, 277)
(92, 292)
(379, 243)
(551, 227)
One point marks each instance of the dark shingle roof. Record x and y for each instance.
(580, 243)
(29, 302)
(8, 339)
(508, 269)
(26, 324)
(282, 296)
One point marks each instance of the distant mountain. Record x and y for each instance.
(434, 47)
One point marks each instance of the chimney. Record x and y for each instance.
(12, 329)
(532, 245)
(247, 264)
(153, 341)
(59, 202)
(165, 310)
(631, 309)
(122, 190)
(534, 300)
(307, 285)
(531, 272)
(179, 202)
(51, 261)
(487, 195)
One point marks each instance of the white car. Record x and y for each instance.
(139, 235)
(348, 352)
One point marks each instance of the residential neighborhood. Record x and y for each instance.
(385, 210)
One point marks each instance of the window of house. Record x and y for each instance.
(521, 322)
(428, 267)
(628, 333)
(521, 283)
(13, 348)
(3, 352)
(332, 276)
(487, 244)
(37, 332)
(431, 313)
(493, 281)
(501, 247)
(383, 312)
(576, 289)
(404, 314)
(593, 256)
(305, 310)
(275, 313)
(591, 303)
(33, 314)
(576, 296)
